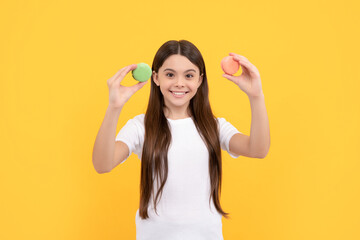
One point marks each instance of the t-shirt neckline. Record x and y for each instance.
(179, 120)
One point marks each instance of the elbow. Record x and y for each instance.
(100, 169)
(261, 154)
(259, 151)
(264, 154)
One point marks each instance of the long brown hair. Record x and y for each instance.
(154, 162)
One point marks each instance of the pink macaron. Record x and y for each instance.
(229, 65)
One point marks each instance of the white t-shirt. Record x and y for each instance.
(183, 210)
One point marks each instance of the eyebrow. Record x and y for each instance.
(175, 71)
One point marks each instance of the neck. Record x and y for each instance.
(177, 113)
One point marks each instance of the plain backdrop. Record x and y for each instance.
(56, 57)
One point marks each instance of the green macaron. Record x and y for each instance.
(142, 73)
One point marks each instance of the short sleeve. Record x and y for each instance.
(227, 130)
(132, 134)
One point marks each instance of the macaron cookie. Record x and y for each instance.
(142, 72)
(229, 65)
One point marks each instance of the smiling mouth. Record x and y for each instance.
(178, 93)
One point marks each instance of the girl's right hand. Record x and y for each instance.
(118, 94)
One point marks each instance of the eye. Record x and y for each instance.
(168, 74)
(189, 75)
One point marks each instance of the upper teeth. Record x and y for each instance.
(179, 93)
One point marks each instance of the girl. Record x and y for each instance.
(179, 142)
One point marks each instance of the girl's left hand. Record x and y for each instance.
(249, 81)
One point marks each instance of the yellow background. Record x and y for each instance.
(56, 57)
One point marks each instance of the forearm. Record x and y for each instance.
(260, 132)
(104, 146)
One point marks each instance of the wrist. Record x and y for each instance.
(257, 96)
(115, 109)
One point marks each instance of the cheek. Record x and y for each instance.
(164, 89)
(195, 87)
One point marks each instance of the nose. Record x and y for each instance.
(179, 82)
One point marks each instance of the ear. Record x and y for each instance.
(201, 79)
(155, 78)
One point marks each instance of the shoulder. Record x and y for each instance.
(221, 121)
(138, 121)
(226, 127)
(139, 118)
(135, 122)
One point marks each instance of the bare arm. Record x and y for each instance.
(106, 153)
(259, 133)
(104, 147)
(258, 144)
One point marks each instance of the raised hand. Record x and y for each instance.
(249, 81)
(119, 94)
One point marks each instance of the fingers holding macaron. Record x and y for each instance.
(231, 64)
(120, 74)
(243, 61)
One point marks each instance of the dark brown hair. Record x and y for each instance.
(154, 162)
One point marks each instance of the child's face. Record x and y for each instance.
(178, 74)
